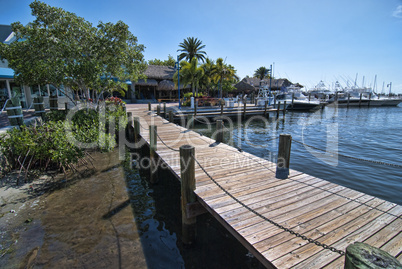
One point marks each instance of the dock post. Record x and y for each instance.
(277, 110)
(152, 153)
(195, 108)
(361, 255)
(274, 99)
(129, 127)
(244, 108)
(158, 110)
(170, 115)
(137, 130)
(164, 110)
(282, 166)
(348, 99)
(187, 168)
(265, 108)
(284, 108)
(149, 106)
(221, 109)
(219, 131)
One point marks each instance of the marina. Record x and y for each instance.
(241, 191)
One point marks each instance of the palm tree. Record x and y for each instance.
(190, 73)
(206, 80)
(190, 48)
(222, 72)
(261, 72)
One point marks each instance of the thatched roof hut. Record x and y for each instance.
(245, 87)
(166, 85)
(276, 84)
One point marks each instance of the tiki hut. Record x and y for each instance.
(158, 85)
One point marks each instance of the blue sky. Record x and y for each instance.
(308, 41)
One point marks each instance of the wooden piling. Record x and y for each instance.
(277, 109)
(284, 108)
(158, 110)
(219, 131)
(137, 129)
(164, 110)
(129, 127)
(221, 109)
(152, 153)
(149, 106)
(170, 115)
(195, 108)
(244, 108)
(265, 108)
(187, 169)
(360, 255)
(348, 100)
(282, 167)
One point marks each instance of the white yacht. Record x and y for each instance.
(295, 100)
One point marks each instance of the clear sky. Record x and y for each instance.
(305, 40)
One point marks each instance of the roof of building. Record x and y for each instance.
(275, 83)
(160, 72)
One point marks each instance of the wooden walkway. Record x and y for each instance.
(329, 213)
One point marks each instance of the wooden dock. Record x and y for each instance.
(317, 209)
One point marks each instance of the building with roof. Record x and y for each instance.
(248, 85)
(159, 85)
(26, 93)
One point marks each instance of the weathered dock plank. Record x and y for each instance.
(326, 212)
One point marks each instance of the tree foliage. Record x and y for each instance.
(190, 73)
(190, 48)
(169, 62)
(224, 74)
(60, 48)
(261, 73)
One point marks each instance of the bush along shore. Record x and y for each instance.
(63, 140)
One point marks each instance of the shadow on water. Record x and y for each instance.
(157, 214)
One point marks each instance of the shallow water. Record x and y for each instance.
(114, 219)
(337, 134)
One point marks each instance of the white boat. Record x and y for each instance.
(295, 100)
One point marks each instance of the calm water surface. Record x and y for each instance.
(361, 133)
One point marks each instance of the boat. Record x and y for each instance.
(295, 100)
(321, 91)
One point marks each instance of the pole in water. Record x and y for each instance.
(282, 167)
(187, 168)
(219, 131)
(152, 153)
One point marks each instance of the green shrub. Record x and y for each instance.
(55, 115)
(39, 147)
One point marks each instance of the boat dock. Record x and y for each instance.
(298, 222)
